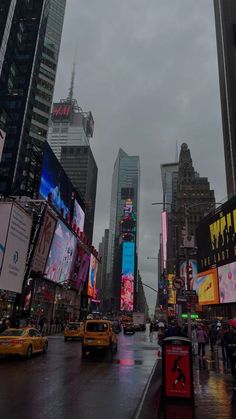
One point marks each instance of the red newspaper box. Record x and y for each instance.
(177, 368)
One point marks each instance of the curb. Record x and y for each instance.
(149, 405)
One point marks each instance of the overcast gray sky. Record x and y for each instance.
(147, 69)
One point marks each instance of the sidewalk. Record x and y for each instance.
(214, 393)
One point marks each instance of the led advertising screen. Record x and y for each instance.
(61, 254)
(206, 287)
(164, 231)
(80, 269)
(192, 264)
(227, 283)
(55, 185)
(15, 244)
(92, 277)
(127, 277)
(216, 237)
(78, 216)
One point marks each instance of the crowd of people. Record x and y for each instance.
(213, 336)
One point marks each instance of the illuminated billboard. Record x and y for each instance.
(171, 290)
(78, 216)
(80, 269)
(15, 234)
(92, 277)
(192, 265)
(55, 185)
(43, 243)
(127, 277)
(164, 231)
(216, 237)
(61, 111)
(227, 283)
(61, 254)
(206, 286)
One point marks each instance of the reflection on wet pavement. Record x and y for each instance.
(214, 392)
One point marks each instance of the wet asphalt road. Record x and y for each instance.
(61, 385)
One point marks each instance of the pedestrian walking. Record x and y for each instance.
(202, 338)
(151, 329)
(230, 344)
(213, 336)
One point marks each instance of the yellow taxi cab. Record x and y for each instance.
(98, 334)
(24, 341)
(74, 330)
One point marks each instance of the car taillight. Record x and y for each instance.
(17, 342)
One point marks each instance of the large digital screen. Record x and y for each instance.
(61, 254)
(206, 287)
(44, 243)
(92, 277)
(164, 230)
(127, 277)
(80, 269)
(15, 232)
(78, 216)
(55, 185)
(192, 264)
(227, 283)
(216, 237)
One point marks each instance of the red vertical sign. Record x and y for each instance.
(177, 370)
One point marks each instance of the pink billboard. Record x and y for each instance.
(227, 283)
(164, 231)
(127, 277)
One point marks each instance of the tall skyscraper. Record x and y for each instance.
(124, 203)
(80, 166)
(69, 136)
(169, 176)
(225, 20)
(192, 199)
(30, 37)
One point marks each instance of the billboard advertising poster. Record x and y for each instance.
(44, 243)
(2, 141)
(177, 371)
(227, 283)
(78, 215)
(127, 277)
(16, 250)
(55, 185)
(171, 290)
(216, 237)
(192, 264)
(164, 231)
(5, 213)
(92, 277)
(80, 269)
(206, 287)
(61, 254)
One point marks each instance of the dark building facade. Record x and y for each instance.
(102, 268)
(225, 21)
(80, 166)
(29, 44)
(192, 200)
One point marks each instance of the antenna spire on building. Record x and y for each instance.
(72, 84)
(176, 151)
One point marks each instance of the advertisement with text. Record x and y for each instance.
(227, 283)
(206, 286)
(127, 277)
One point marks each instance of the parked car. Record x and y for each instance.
(74, 330)
(23, 341)
(98, 334)
(128, 329)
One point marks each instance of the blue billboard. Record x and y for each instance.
(127, 276)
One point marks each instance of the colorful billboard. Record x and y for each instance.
(192, 266)
(78, 216)
(227, 283)
(216, 237)
(127, 277)
(14, 242)
(80, 269)
(92, 277)
(171, 290)
(44, 243)
(206, 286)
(164, 231)
(61, 255)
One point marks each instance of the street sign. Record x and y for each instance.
(178, 283)
(192, 316)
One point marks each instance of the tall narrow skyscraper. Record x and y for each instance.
(225, 20)
(30, 37)
(124, 220)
